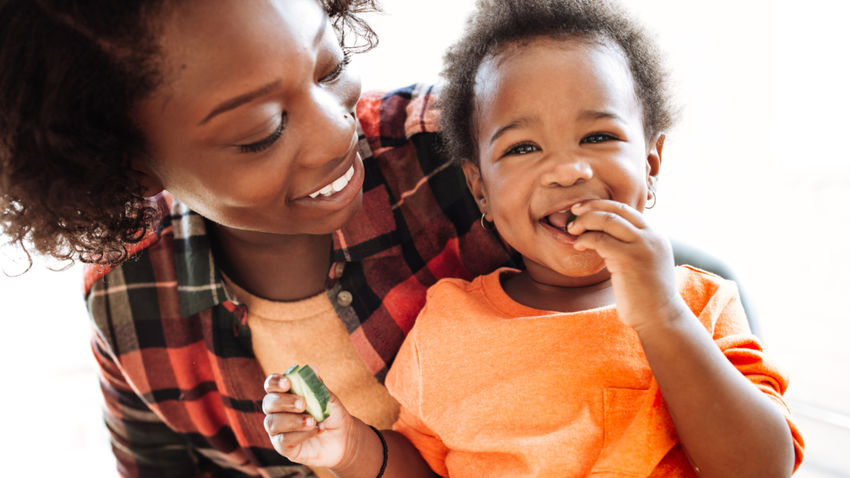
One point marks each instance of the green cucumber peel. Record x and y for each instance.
(306, 384)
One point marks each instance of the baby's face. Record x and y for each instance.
(558, 123)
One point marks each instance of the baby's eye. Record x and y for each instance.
(523, 148)
(598, 138)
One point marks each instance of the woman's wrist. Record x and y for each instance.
(365, 452)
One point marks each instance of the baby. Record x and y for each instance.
(599, 357)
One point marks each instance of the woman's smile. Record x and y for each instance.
(296, 169)
(338, 193)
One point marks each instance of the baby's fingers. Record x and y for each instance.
(283, 403)
(288, 423)
(612, 208)
(291, 444)
(276, 383)
(612, 223)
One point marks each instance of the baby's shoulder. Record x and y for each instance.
(450, 288)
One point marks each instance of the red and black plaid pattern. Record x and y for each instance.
(182, 386)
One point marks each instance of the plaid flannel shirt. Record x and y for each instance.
(183, 389)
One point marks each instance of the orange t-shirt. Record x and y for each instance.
(490, 387)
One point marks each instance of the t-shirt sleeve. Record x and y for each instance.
(404, 382)
(724, 315)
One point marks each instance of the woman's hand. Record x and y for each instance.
(295, 434)
(639, 259)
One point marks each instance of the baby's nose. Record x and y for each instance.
(566, 170)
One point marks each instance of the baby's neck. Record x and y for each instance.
(593, 293)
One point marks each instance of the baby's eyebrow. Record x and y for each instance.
(517, 123)
(595, 115)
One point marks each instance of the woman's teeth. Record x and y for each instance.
(338, 185)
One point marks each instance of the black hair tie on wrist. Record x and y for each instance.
(384, 448)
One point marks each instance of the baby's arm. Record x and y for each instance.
(341, 442)
(725, 424)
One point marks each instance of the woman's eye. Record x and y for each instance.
(523, 148)
(598, 138)
(337, 71)
(266, 142)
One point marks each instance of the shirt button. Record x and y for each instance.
(344, 298)
(339, 268)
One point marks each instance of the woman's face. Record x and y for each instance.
(558, 123)
(254, 116)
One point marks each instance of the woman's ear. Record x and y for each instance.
(653, 158)
(142, 173)
(475, 184)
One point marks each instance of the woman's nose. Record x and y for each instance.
(566, 170)
(330, 125)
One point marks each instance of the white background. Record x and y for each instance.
(756, 171)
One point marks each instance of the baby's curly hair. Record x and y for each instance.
(70, 73)
(498, 23)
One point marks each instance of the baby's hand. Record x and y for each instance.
(639, 259)
(295, 433)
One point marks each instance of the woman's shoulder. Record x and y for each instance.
(389, 118)
(135, 251)
(168, 274)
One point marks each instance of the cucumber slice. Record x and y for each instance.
(306, 384)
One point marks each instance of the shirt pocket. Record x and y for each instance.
(637, 432)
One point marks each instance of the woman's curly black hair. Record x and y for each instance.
(70, 73)
(498, 23)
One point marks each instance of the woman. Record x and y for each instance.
(242, 111)
(288, 232)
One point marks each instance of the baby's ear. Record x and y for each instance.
(653, 156)
(475, 184)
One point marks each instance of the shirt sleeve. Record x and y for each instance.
(143, 445)
(725, 316)
(404, 384)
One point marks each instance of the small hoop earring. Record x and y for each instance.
(485, 222)
(651, 198)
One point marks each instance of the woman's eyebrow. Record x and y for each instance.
(239, 100)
